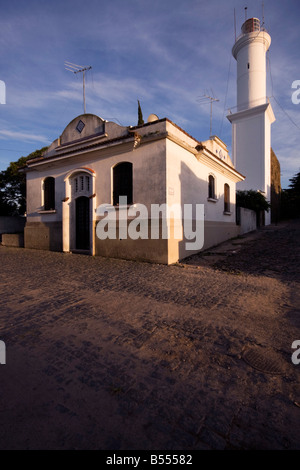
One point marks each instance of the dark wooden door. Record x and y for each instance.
(82, 223)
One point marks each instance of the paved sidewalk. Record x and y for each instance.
(119, 355)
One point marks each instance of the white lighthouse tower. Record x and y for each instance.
(253, 116)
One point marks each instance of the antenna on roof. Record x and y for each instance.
(246, 8)
(76, 69)
(263, 14)
(204, 99)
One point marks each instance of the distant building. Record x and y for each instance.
(95, 162)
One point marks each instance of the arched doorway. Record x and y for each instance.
(82, 223)
(77, 217)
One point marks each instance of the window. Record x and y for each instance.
(211, 187)
(81, 184)
(122, 182)
(226, 198)
(49, 194)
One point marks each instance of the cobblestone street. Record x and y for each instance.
(120, 355)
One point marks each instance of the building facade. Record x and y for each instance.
(95, 162)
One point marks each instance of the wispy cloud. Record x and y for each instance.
(23, 136)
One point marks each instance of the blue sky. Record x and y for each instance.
(166, 53)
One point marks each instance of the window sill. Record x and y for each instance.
(78, 251)
(227, 213)
(125, 206)
(212, 199)
(51, 211)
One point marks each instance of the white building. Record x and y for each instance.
(251, 123)
(94, 162)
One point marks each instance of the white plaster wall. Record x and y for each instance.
(218, 149)
(249, 148)
(148, 174)
(35, 201)
(149, 177)
(267, 150)
(248, 220)
(187, 183)
(180, 134)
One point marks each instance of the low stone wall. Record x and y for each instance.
(43, 236)
(155, 251)
(214, 234)
(247, 220)
(13, 239)
(48, 236)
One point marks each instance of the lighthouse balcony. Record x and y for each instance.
(248, 105)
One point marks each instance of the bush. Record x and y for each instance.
(253, 200)
(290, 199)
(13, 186)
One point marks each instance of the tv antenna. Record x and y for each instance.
(204, 99)
(77, 69)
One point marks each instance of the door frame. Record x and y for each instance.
(69, 211)
(87, 214)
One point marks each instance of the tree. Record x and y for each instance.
(140, 115)
(290, 198)
(253, 200)
(13, 186)
(295, 184)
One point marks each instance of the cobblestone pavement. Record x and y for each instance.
(120, 355)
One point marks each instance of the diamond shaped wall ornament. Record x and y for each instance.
(80, 126)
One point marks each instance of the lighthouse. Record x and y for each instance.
(252, 118)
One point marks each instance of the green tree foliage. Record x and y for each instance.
(295, 184)
(140, 115)
(290, 199)
(253, 200)
(13, 186)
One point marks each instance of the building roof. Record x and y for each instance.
(88, 132)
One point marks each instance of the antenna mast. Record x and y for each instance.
(77, 69)
(204, 99)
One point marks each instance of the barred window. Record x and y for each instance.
(81, 184)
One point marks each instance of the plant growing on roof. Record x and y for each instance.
(140, 115)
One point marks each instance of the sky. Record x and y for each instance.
(168, 54)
